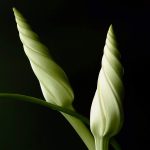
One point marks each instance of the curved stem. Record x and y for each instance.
(41, 102)
(82, 131)
(76, 120)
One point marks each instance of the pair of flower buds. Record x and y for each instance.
(106, 110)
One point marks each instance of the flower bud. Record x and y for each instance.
(106, 114)
(53, 80)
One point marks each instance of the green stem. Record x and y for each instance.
(76, 120)
(101, 143)
(41, 102)
(82, 131)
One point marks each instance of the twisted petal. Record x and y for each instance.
(53, 81)
(106, 110)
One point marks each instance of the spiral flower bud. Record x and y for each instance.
(106, 115)
(53, 80)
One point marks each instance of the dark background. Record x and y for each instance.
(75, 33)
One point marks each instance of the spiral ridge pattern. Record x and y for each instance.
(106, 114)
(53, 80)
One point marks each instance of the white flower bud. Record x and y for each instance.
(106, 114)
(53, 80)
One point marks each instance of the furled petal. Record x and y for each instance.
(53, 80)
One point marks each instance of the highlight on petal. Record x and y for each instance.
(106, 114)
(53, 80)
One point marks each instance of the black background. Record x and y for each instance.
(75, 33)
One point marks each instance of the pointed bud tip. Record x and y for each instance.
(14, 9)
(17, 13)
(111, 30)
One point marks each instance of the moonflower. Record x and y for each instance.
(106, 115)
